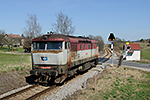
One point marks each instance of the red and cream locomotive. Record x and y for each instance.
(56, 57)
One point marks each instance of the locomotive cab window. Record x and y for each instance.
(46, 46)
(38, 46)
(54, 45)
(66, 45)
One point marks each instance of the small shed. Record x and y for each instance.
(133, 53)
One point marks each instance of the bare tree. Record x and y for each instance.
(100, 42)
(63, 24)
(9, 41)
(2, 35)
(4, 40)
(32, 30)
(91, 36)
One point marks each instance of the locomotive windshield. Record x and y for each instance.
(38, 46)
(47, 45)
(54, 45)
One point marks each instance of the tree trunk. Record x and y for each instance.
(9, 47)
(1, 47)
(12, 47)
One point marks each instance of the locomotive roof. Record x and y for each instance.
(60, 37)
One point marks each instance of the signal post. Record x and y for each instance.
(111, 39)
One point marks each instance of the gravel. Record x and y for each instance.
(74, 85)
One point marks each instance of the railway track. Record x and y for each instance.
(29, 93)
(108, 53)
(35, 91)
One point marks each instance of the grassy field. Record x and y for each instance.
(143, 45)
(14, 62)
(119, 84)
(15, 49)
(145, 53)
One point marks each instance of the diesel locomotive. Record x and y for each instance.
(56, 57)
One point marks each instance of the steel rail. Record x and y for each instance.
(41, 93)
(107, 53)
(19, 92)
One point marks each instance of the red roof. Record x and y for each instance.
(134, 46)
(14, 35)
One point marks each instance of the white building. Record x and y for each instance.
(133, 53)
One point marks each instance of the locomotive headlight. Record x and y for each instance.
(36, 66)
(54, 67)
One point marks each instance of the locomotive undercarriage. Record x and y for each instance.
(45, 79)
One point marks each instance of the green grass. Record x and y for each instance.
(15, 49)
(143, 45)
(10, 62)
(145, 53)
(130, 84)
(132, 90)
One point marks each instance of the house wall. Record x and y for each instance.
(133, 56)
(15, 41)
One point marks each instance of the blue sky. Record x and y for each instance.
(127, 19)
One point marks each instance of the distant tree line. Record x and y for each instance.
(100, 41)
(2, 39)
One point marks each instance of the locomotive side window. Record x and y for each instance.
(67, 45)
(84, 46)
(88, 46)
(80, 46)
